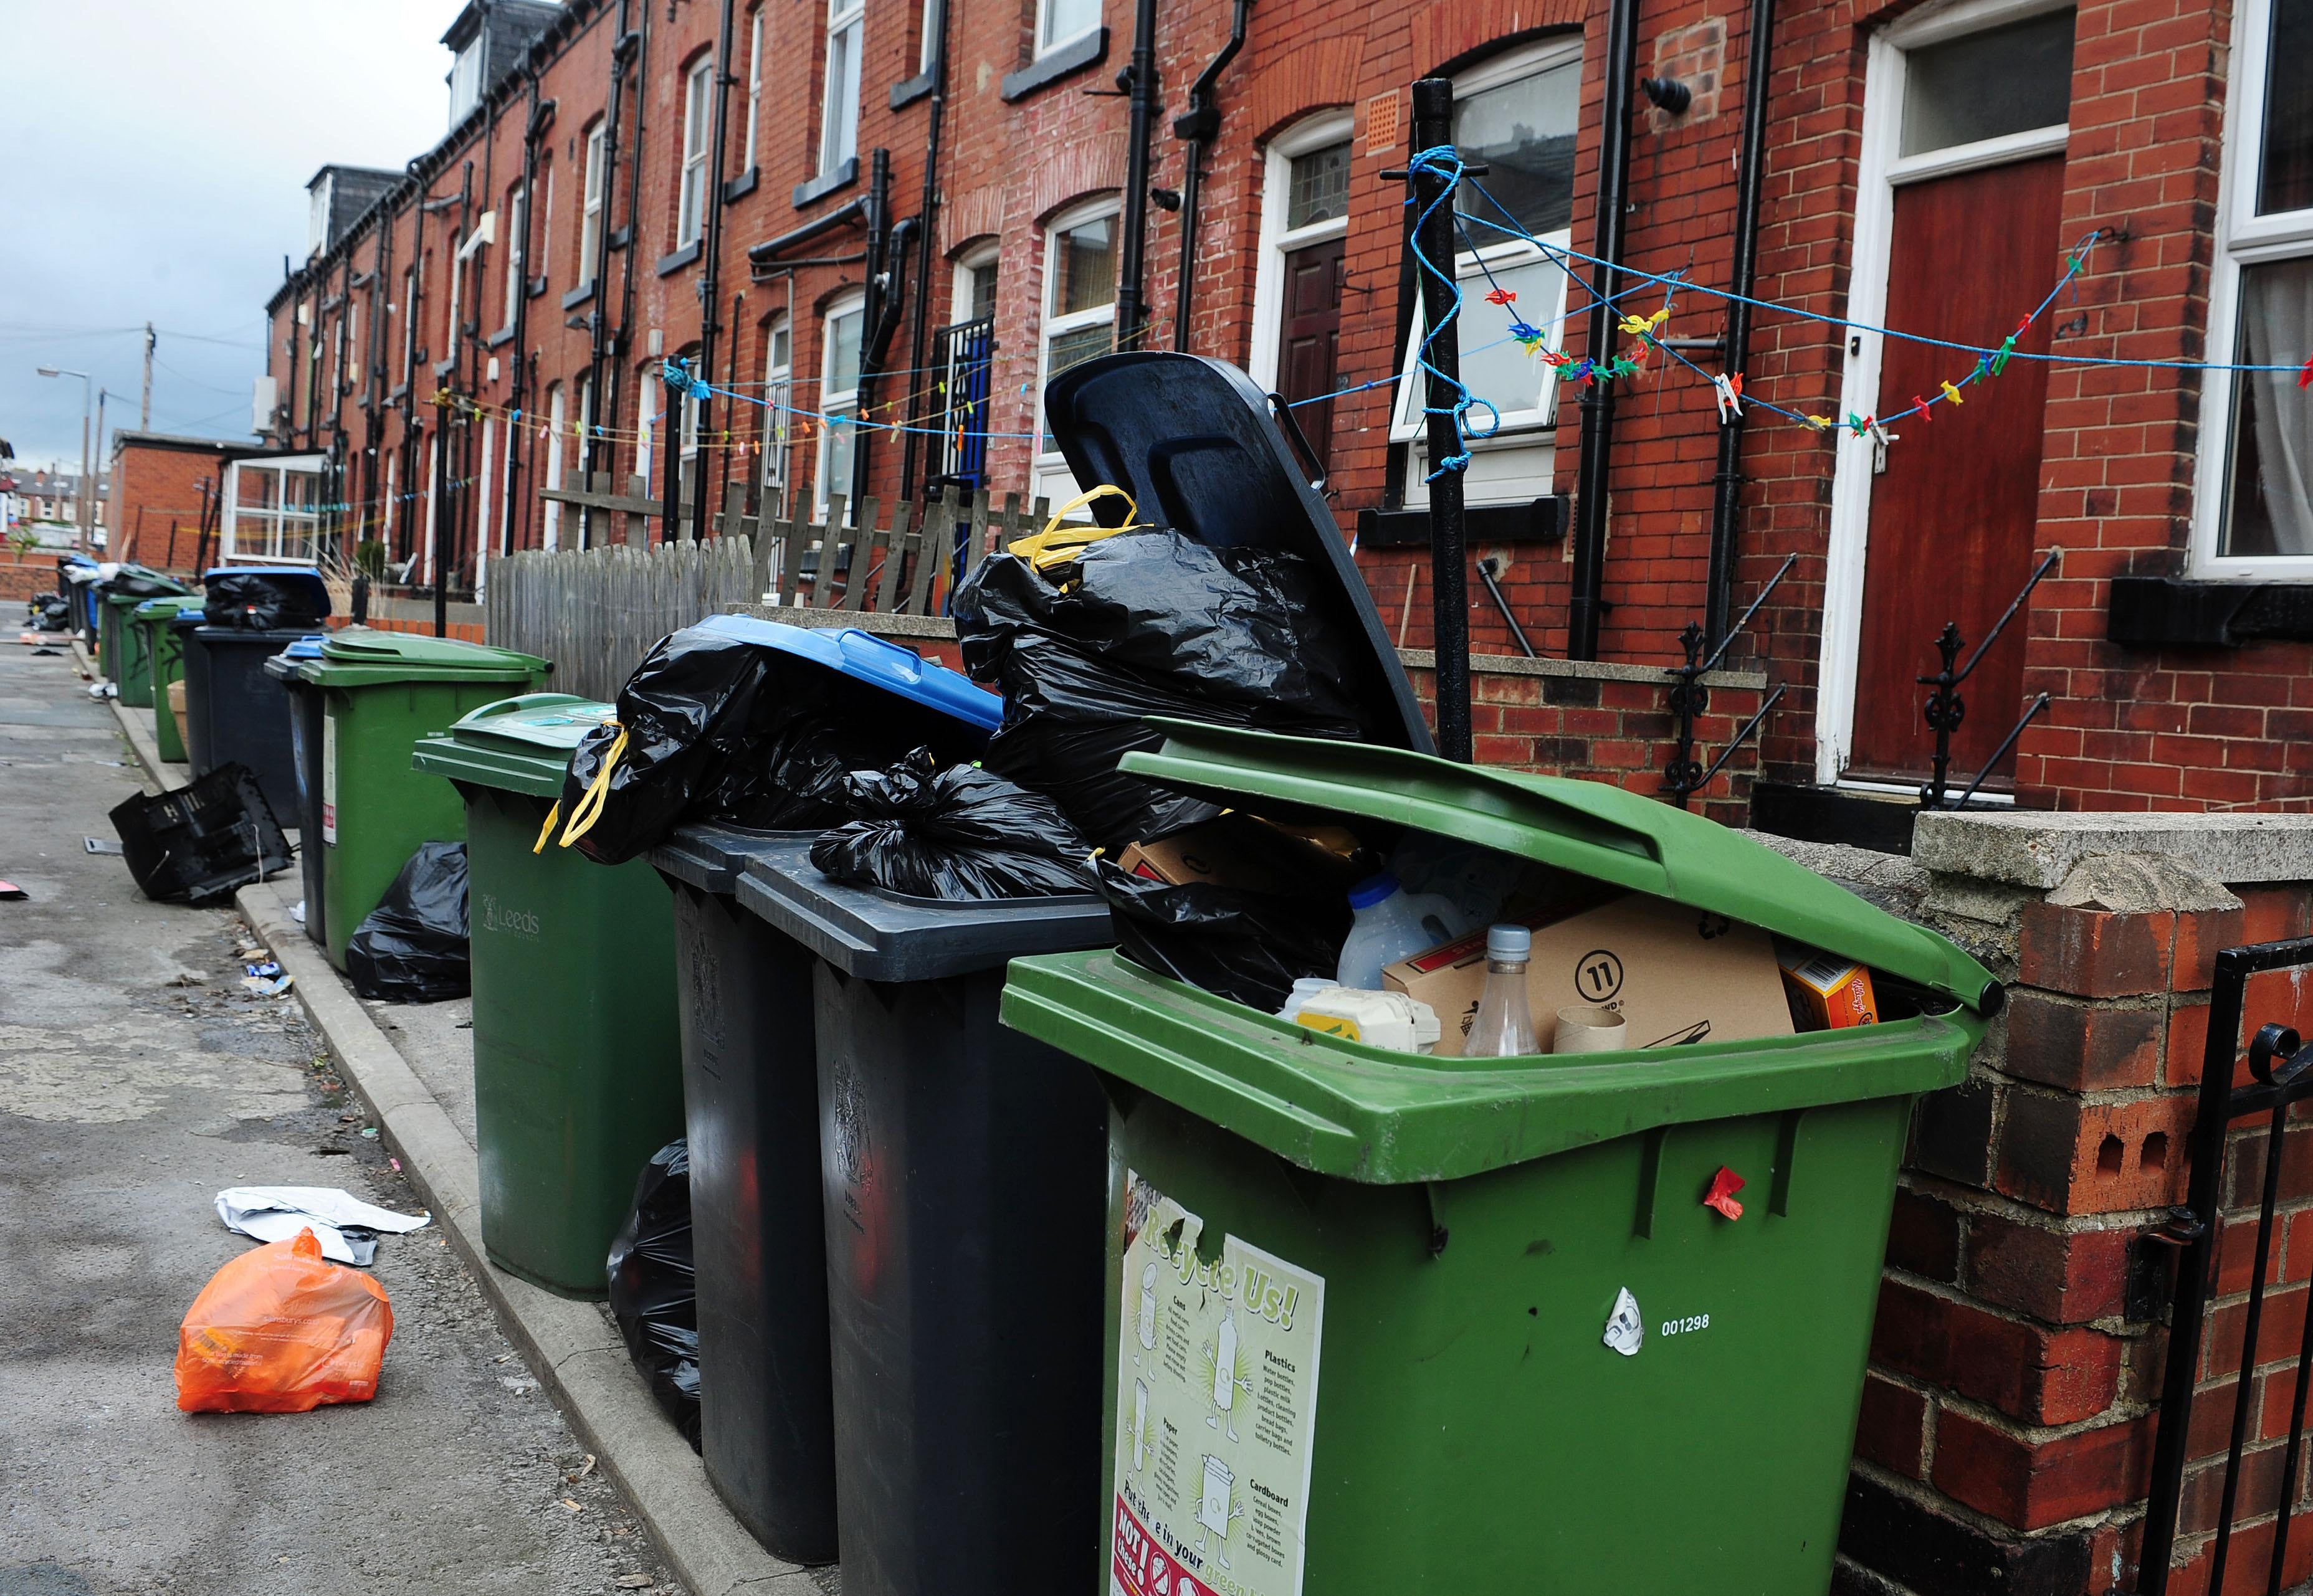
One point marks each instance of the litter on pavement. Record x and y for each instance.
(345, 1227)
(282, 1330)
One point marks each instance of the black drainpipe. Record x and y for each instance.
(1590, 492)
(1199, 125)
(874, 310)
(598, 323)
(541, 118)
(1133, 246)
(1726, 502)
(710, 283)
(927, 219)
(623, 340)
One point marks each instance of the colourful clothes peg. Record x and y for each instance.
(1500, 296)
(2305, 377)
(1952, 394)
(1727, 391)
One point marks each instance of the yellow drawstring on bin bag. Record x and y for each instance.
(589, 807)
(1058, 545)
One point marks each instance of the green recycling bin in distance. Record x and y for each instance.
(127, 649)
(578, 1042)
(381, 691)
(1385, 1323)
(164, 654)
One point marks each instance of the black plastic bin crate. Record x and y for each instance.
(199, 843)
(751, 1100)
(963, 1172)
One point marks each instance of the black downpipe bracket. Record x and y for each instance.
(1198, 126)
(1449, 578)
(927, 230)
(1727, 499)
(710, 286)
(1133, 242)
(1583, 609)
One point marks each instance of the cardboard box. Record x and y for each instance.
(1677, 975)
(1248, 853)
(1826, 992)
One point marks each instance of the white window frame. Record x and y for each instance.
(2243, 238)
(1525, 440)
(545, 230)
(457, 283)
(649, 387)
(1881, 170)
(929, 20)
(839, 115)
(1047, 41)
(966, 280)
(408, 324)
(1052, 477)
(337, 360)
(1318, 132)
(754, 81)
(690, 186)
(353, 368)
(283, 536)
(590, 224)
(835, 401)
(557, 417)
(778, 424)
(517, 206)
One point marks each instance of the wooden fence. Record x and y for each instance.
(595, 612)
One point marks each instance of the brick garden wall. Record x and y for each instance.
(2009, 1416)
(157, 504)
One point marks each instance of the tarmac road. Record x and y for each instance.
(136, 1080)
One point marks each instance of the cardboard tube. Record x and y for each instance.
(1584, 1028)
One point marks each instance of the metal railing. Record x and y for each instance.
(965, 352)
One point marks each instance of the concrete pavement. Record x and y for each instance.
(136, 1080)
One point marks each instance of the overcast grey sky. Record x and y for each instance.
(157, 156)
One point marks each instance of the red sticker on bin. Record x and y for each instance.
(1724, 1184)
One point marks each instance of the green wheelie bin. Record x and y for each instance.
(127, 645)
(380, 692)
(577, 1043)
(1383, 1322)
(164, 652)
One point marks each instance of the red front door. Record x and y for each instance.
(1309, 339)
(1953, 516)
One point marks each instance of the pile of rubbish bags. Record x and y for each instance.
(654, 1288)
(412, 947)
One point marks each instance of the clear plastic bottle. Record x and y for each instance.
(1392, 924)
(1503, 1027)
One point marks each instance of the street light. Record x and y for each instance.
(84, 503)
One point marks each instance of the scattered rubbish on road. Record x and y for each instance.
(11, 893)
(282, 1329)
(347, 1227)
(413, 948)
(584, 1469)
(653, 1286)
(266, 970)
(267, 986)
(297, 911)
(98, 845)
(369, 1131)
(199, 843)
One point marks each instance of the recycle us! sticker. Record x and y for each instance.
(1626, 1332)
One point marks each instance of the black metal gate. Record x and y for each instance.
(2281, 1075)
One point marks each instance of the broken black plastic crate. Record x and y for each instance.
(202, 841)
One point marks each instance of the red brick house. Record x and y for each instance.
(161, 497)
(915, 215)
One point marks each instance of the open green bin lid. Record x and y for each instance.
(162, 611)
(1371, 1114)
(359, 656)
(517, 745)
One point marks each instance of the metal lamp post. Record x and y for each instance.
(83, 505)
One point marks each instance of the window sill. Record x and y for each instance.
(681, 257)
(398, 395)
(744, 184)
(1055, 65)
(1540, 520)
(2154, 611)
(537, 287)
(914, 89)
(498, 340)
(442, 368)
(826, 183)
(579, 295)
(622, 237)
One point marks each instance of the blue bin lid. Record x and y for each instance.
(304, 579)
(308, 647)
(864, 657)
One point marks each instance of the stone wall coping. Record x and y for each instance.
(2039, 848)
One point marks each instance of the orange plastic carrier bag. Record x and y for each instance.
(282, 1329)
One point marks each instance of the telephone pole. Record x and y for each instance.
(144, 407)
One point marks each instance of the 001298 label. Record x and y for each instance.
(1217, 1392)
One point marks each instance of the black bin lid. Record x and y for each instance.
(1191, 440)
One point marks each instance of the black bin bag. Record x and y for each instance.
(958, 834)
(412, 948)
(712, 726)
(654, 1288)
(1087, 637)
(1249, 946)
(263, 600)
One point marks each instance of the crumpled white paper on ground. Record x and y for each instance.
(345, 1227)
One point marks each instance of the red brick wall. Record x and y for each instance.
(2128, 728)
(21, 576)
(2009, 1417)
(155, 487)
